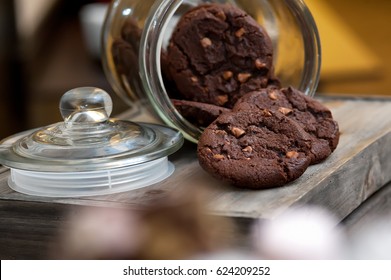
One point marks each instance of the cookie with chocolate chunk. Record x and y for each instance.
(254, 149)
(217, 53)
(200, 114)
(314, 117)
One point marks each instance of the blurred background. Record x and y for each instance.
(43, 53)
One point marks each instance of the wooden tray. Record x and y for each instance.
(359, 166)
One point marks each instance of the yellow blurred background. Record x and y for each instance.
(356, 43)
(43, 54)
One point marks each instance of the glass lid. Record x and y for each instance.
(88, 139)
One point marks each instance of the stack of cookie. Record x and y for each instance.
(257, 134)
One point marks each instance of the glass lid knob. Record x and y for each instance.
(86, 105)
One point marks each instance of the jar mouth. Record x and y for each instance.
(310, 79)
(155, 33)
(150, 68)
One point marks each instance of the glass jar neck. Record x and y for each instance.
(150, 71)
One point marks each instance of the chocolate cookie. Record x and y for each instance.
(125, 55)
(217, 53)
(200, 114)
(315, 118)
(254, 149)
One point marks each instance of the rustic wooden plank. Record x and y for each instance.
(359, 167)
(3, 169)
(29, 229)
(378, 206)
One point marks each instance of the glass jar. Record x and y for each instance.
(136, 31)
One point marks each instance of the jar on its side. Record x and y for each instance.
(136, 31)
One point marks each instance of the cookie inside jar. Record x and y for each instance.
(137, 37)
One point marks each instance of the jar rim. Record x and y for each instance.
(150, 70)
(313, 58)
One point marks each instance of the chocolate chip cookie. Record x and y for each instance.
(200, 114)
(217, 53)
(254, 149)
(125, 55)
(314, 117)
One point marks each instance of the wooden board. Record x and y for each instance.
(375, 209)
(359, 166)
